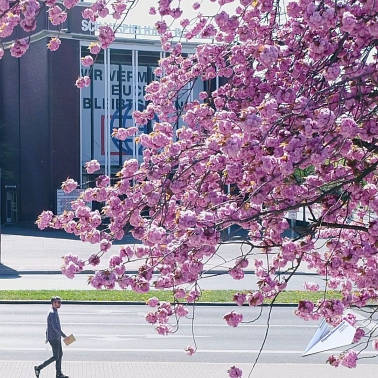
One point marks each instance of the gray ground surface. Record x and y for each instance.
(31, 259)
(80, 282)
(120, 333)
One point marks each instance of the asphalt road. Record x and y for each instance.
(120, 333)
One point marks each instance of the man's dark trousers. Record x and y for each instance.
(56, 346)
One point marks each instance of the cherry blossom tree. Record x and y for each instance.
(292, 125)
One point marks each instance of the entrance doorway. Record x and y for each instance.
(11, 213)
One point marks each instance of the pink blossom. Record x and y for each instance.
(54, 44)
(126, 251)
(69, 185)
(239, 298)
(234, 372)
(255, 299)
(305, 309)
(19, 47)
(268, 55)
(123, 134)
(360, 333)
(190, 350)
(163, 330)
(87, 61)
(349, 359)
(92, 166)
(102, 181)
(57, 15)
(72, 265)
(349, 22)
(236, 273)
(333, 360)
(181, 311)
(70, 3)
(115, 261)
(233, 319)
(1, 53)
(94, 260)
(375, 344)
(290, 122)
(44, 219)
(106, 36)
(151, 318)
(153, 302)
(180, 293)
(82, 82)
(333, 72)
(311, 286)
(105, 245)
(94, 48)
(203, 95)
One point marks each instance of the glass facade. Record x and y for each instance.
(130, 71)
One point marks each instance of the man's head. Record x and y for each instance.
(56, 302)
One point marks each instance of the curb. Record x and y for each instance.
(139, 303)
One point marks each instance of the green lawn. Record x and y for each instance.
(222, 296)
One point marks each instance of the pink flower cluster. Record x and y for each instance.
(94, 48)
(83, 81)
(161, 316)
(57, 15)
(87, 61)
(122, 133)
(69, 185)
(106, 36)
(234, 372)
(290, 125)
(92, 166)
(233, 319)
(19, 47)
(72, 266)
(54, 44)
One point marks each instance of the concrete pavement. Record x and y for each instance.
(31, 250)
(105, 369)
(31, 259)
(121, 334)
(116, 342)
(80, 282)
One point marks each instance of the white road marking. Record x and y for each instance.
(219, 351)
(146, 336)
(126, 324)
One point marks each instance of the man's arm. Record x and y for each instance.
(51, 320)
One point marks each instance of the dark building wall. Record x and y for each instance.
(39, 124)
(9, 126)
(64, 106)
(34, 133)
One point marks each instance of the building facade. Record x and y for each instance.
(49, 128)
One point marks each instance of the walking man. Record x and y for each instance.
(53, 336)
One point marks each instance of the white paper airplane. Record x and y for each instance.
(326, 337)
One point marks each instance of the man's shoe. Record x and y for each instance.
(62, 376)
(36, 371)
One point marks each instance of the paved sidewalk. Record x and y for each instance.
(31, 259)
(100, 369)
(33, 251)
(79, 369)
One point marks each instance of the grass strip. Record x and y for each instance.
(213, 296)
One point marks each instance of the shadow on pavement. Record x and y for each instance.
(30, 229)
(8, 272)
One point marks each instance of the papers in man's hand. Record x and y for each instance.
(326, 337)
(69, 339)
